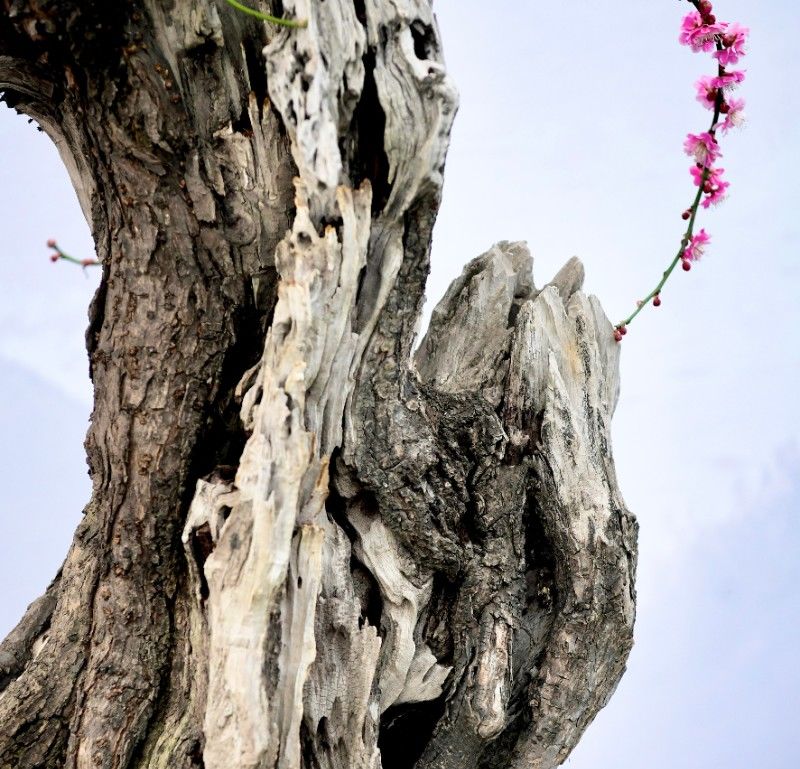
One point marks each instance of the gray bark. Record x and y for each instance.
(307, 544)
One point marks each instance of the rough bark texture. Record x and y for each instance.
(308, 546)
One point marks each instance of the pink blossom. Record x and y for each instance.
(733, 39)
(734, 116)
(696, 247)
(707, 91)
(727, 81)
(714, 187)
(702, 147)
(697, 33)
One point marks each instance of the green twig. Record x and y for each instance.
(295, 23)
(674, 263)
(59, 254)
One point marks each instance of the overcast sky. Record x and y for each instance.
(569, 136)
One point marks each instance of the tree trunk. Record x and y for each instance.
(308, 546)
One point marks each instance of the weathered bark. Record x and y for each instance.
(307, 547)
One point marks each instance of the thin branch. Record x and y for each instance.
(294, 23)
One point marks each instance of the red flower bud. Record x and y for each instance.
(617, 335)
(55, 257)
(686, 214)
(51, 243)
(656, 301)
(687, 265)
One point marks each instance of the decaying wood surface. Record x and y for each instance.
(309, 545)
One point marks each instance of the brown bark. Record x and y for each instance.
(304, 547)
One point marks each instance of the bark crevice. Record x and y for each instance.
(29, 634)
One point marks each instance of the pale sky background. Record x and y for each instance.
(569, 136)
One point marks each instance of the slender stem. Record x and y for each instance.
(665, 276)
(67, 257)
(266, 17)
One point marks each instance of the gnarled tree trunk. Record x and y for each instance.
(307, 545)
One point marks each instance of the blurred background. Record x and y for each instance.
(569, 136)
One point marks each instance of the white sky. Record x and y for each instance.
(569, 136)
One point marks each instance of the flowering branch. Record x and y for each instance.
(59, 254)
(265, 16)
(701, 31)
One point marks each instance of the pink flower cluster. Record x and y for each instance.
(695, 248)
(714, 188)
(701, 31)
